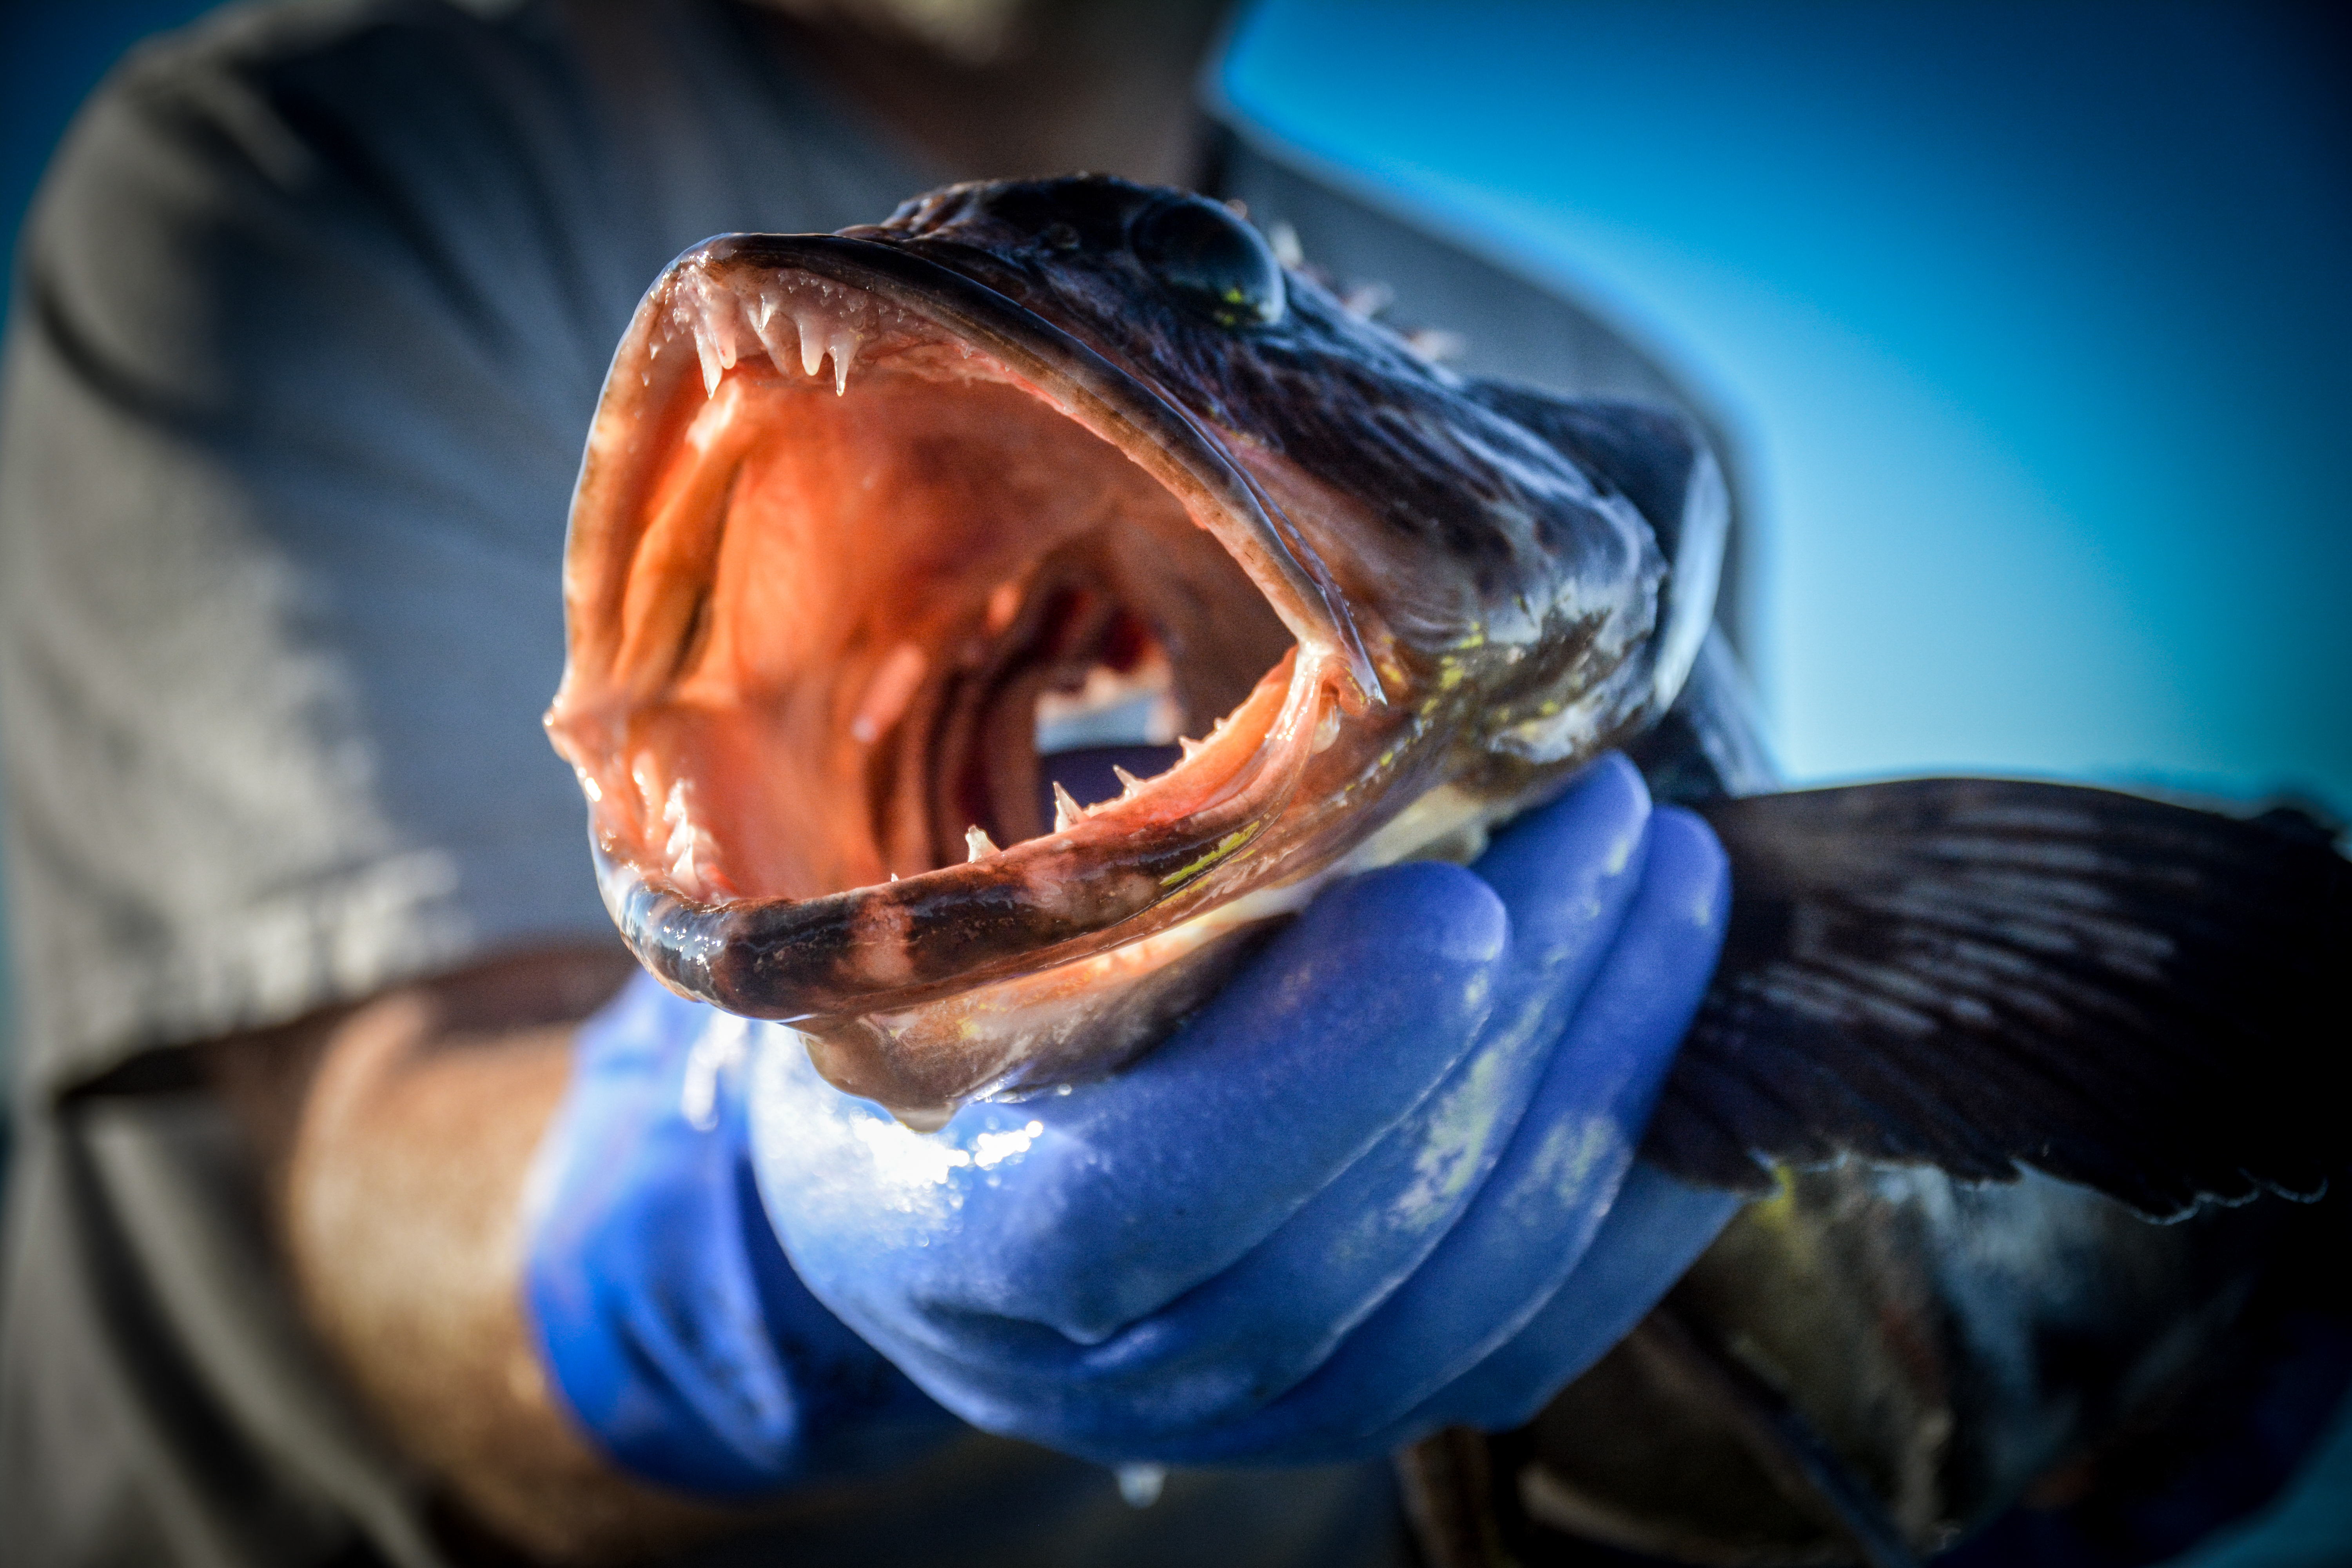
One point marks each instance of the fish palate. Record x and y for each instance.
(868, 519)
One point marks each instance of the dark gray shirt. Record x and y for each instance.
(309, 323)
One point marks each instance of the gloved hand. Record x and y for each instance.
(1381, 1182)
(668, 1317)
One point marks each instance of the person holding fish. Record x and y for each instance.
(1168, 967)
(363, 943)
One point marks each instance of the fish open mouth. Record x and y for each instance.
(874, 575)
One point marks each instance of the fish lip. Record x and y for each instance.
(1059, 362)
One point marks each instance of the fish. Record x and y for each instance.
(887, 544)
(805, 673)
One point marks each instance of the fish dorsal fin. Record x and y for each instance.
(1979, 974)
(1655, 457)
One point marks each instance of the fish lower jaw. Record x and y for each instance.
(1083, 1020)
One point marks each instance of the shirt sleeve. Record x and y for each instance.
(301, 350)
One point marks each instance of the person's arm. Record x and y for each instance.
(395, 1137)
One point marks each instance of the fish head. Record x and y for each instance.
(868, 519)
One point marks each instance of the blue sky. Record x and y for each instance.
(2031, 320)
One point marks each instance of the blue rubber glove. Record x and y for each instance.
(1383, 1181)
(668, 1317)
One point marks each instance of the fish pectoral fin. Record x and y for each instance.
(1979, 974)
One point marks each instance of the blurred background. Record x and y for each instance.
(2031, 321)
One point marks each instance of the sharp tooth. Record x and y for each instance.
(1191, 747)
(1126, 781)
(1327, 728)
(1066, 811)
(843, 345)
(811, 345)
(770, 330)
(976, 844)
(707, 351)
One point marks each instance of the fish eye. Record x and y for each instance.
(1216, 263)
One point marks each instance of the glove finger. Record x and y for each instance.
(1086, 1211)
(1551, 865)
(1654, 1231)
(1584, 841)
(656, 1292)
(1534, 1216)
